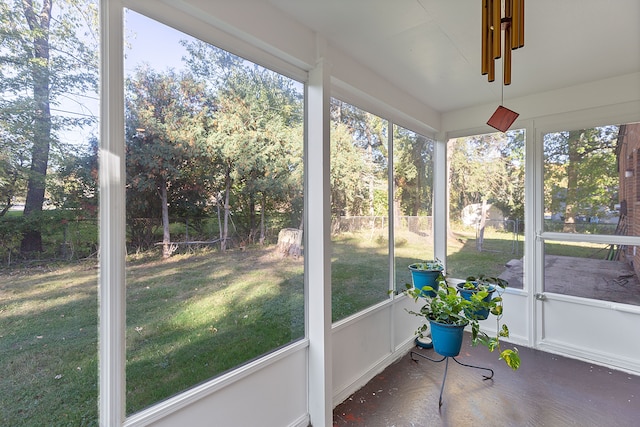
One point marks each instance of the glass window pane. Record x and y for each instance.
(591, 187)
(486, 206)
(215, 272)
(48, 213)
(581, 181)
(412, 201)
(359, 206)
(583, 270)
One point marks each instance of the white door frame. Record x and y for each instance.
(565, 324)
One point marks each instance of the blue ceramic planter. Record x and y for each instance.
(466, 294)
(422, 278)
(447, 339)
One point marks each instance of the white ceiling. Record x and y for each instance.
(431, 48)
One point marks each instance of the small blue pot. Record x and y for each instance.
(447, 339)
(466, 294)
(422, 278)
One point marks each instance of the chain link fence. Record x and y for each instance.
(421, 225)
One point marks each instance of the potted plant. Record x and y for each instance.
(426, 274)
(483, 283)
(449, 312)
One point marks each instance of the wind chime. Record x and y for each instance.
(498, 17)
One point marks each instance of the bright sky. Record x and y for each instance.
(146, 41)
(149, 41)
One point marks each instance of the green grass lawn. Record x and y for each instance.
(189, 318)
(48, 346)
(196, 316)
(463, 259)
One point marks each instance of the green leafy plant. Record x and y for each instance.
(428, 265)
(448, 306)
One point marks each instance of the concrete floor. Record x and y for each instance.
(547, 390)
(588, 278)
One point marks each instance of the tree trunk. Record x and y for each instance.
(483, 223)
(32, 239)
(225, 227)
(289, 242)
(252, 218)
(166, 236)
(397, 207)
(218, 200)
(262, 209)
(570, 210)
(371, 180)
(450, 234)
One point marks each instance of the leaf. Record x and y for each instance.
(493, 343)
(475, 328)
(511, 357)
(482, 295)
(504, 332)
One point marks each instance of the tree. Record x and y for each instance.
(252, 139)
(488, 169)
(47, 54)
(509, 198)
(580, 172)
(413, 173)
(348, 167)
(255, 141)
(75, 184)
(14, 164)
(368, 132)
(165, 115)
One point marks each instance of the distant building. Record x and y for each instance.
(471, 215)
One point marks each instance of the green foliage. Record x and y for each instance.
(358, 162)
(581, 173)
(14, 162)
(10, 235)
(511, 358)
(348, 189)
(488, 167)
(413, 172)
(253, 140)
(448, 306)
(165, 118)
(48, 55)
(75, 184)
(67, 235)
(427, 265)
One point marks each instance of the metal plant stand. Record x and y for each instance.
(446, 366)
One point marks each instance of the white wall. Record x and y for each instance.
(269, 392)
(598, 331)
(365, 344)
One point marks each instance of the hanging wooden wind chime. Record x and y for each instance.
(498, 17)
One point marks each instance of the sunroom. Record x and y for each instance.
(394, 162)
